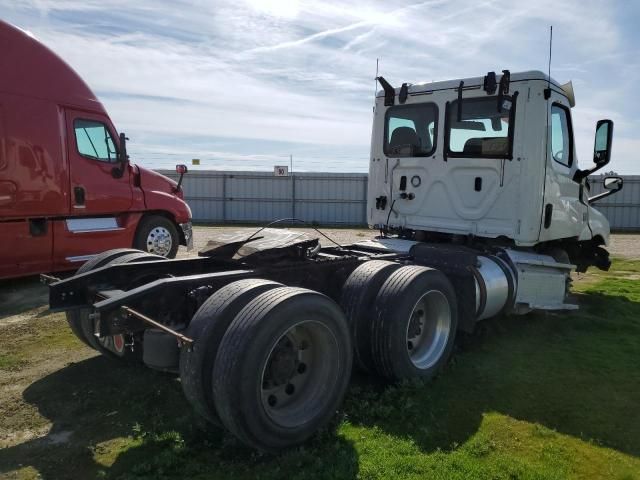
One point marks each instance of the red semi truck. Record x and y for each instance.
(67, 189)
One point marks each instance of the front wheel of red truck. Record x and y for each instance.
(157, 235)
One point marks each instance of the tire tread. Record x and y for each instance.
(231, 365)
(389, 301)
(207, 328)
(358, 294)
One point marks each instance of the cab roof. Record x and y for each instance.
(472, 82)
(31, 69)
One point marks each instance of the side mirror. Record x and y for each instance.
(602, 144)
(181, 170)
(611, 185)
(601, 149)
(123, 158)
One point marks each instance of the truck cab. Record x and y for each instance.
(490, 158)
(67, 188)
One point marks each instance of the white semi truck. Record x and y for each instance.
(475, 187)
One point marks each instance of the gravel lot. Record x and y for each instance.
(625, 245)
(622, 245)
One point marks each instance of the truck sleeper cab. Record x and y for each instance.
(67, 189)
(477, 220)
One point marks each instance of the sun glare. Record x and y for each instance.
(275, 8)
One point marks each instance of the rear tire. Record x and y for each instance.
(157, 235)
(415, 323)
(114, 346)
(97, 261)
(207, 327)
(282, 368)
(358, 295)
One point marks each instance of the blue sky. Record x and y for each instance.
(243, 84)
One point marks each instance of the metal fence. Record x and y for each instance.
(622, 209)
(260, 197)
(333, 198)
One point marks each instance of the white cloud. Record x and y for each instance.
(301, 72)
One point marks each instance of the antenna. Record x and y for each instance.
(547, 92)
(375, 84)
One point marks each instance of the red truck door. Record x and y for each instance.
(31, 183)
(93, 161)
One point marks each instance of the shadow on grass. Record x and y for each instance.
(576, 374)
(137, 422)
(21, 295)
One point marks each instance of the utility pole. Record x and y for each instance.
(291, 162)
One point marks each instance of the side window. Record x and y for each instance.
(94, 140)
(410, 130)
(561, 135)
(482, 130)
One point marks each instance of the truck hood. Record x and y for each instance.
(160, 194)
(154, 181)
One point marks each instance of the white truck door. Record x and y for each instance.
(565, 212)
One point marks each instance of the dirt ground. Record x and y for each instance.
(25, 325)
(625, 245)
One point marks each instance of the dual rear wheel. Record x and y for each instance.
(272, 363)
(403, 319)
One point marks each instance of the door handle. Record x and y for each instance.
(78, 193)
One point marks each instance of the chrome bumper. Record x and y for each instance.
(187, 229)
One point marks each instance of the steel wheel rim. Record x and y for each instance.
(428, 329)
(159, 241)
(301, 366)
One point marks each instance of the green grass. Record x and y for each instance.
(9, 362)
(544, 396)
(30, 342)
